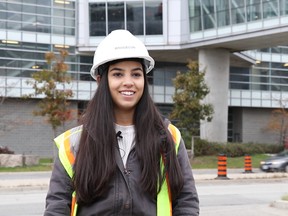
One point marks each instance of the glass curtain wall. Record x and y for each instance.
(20, 58)
(265, 76)
(207, 14)
(38, 16)
(212, 14)
(283, 7)
(139, 17)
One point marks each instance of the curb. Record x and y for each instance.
(24, 183)
(281, 204)
(241, 176)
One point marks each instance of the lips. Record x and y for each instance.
(127, 93)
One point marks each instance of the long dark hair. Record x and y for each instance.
(95, 163)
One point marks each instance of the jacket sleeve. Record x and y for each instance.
(187, 202)
(58, 199)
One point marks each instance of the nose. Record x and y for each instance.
(128, 81)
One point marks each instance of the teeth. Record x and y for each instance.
(127, 93)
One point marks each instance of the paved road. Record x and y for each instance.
(22, 201)
(249, 194)
(242, 197)
(234, 197)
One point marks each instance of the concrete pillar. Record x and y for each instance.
(216, 63)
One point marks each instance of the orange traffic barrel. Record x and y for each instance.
(248, 164)
(222, 167)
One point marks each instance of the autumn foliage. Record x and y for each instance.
(51, 85)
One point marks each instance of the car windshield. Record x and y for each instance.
(284, 153)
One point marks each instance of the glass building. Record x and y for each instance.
(250, 37)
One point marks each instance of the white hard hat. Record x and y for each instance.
(120, 44)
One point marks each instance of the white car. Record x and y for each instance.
(278, 162)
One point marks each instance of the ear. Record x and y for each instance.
(98, 78)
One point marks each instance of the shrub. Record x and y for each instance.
(203, 147)
(234, 150)
(5, 150)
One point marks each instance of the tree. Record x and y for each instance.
(278, 122)
(190, 90)
(50, 84)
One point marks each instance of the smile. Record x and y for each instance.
(127, 93)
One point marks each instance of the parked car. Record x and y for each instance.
(278, 162)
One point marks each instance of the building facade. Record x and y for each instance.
(242, 45)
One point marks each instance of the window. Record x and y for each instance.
(195, 15)
(238, 14)
(135, 18)
(106, 17)
(153, 14)
(97, 19)
(116, 16)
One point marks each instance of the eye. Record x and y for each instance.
(117, 74)
(137, 74)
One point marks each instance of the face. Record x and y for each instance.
(126, 84)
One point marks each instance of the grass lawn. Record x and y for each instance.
(45, 164)
(201, 162)
(285, 197)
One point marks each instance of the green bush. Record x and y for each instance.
(234, 150)
(203, 147)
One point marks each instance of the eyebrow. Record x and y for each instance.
(120, 69)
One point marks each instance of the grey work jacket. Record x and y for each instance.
(124, 196)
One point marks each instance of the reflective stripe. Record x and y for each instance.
(164, 206)
(74, 204)
(65, 155)
(164, 202)
(65, 145)
(66, 141)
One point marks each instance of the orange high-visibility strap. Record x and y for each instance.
(67, 148)
(74, 205)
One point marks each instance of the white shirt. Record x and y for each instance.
(126, 140)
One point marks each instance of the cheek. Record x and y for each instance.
(141, 86)
(110, 87)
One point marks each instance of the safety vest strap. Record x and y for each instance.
(74, 204)
(164, 200)
(66, 153)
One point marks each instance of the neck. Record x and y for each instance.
(124, 118)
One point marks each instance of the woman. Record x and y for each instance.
(125, 159)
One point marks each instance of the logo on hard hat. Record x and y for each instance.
(125, 47)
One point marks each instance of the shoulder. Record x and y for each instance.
(174, 131)
(71, 136)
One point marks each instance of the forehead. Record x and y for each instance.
(126, 64)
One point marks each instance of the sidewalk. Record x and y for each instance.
(24, 179)
(210, 174)
(41, 179)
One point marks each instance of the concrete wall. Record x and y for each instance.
(24, 133)
(216, 63)
(255, 121)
